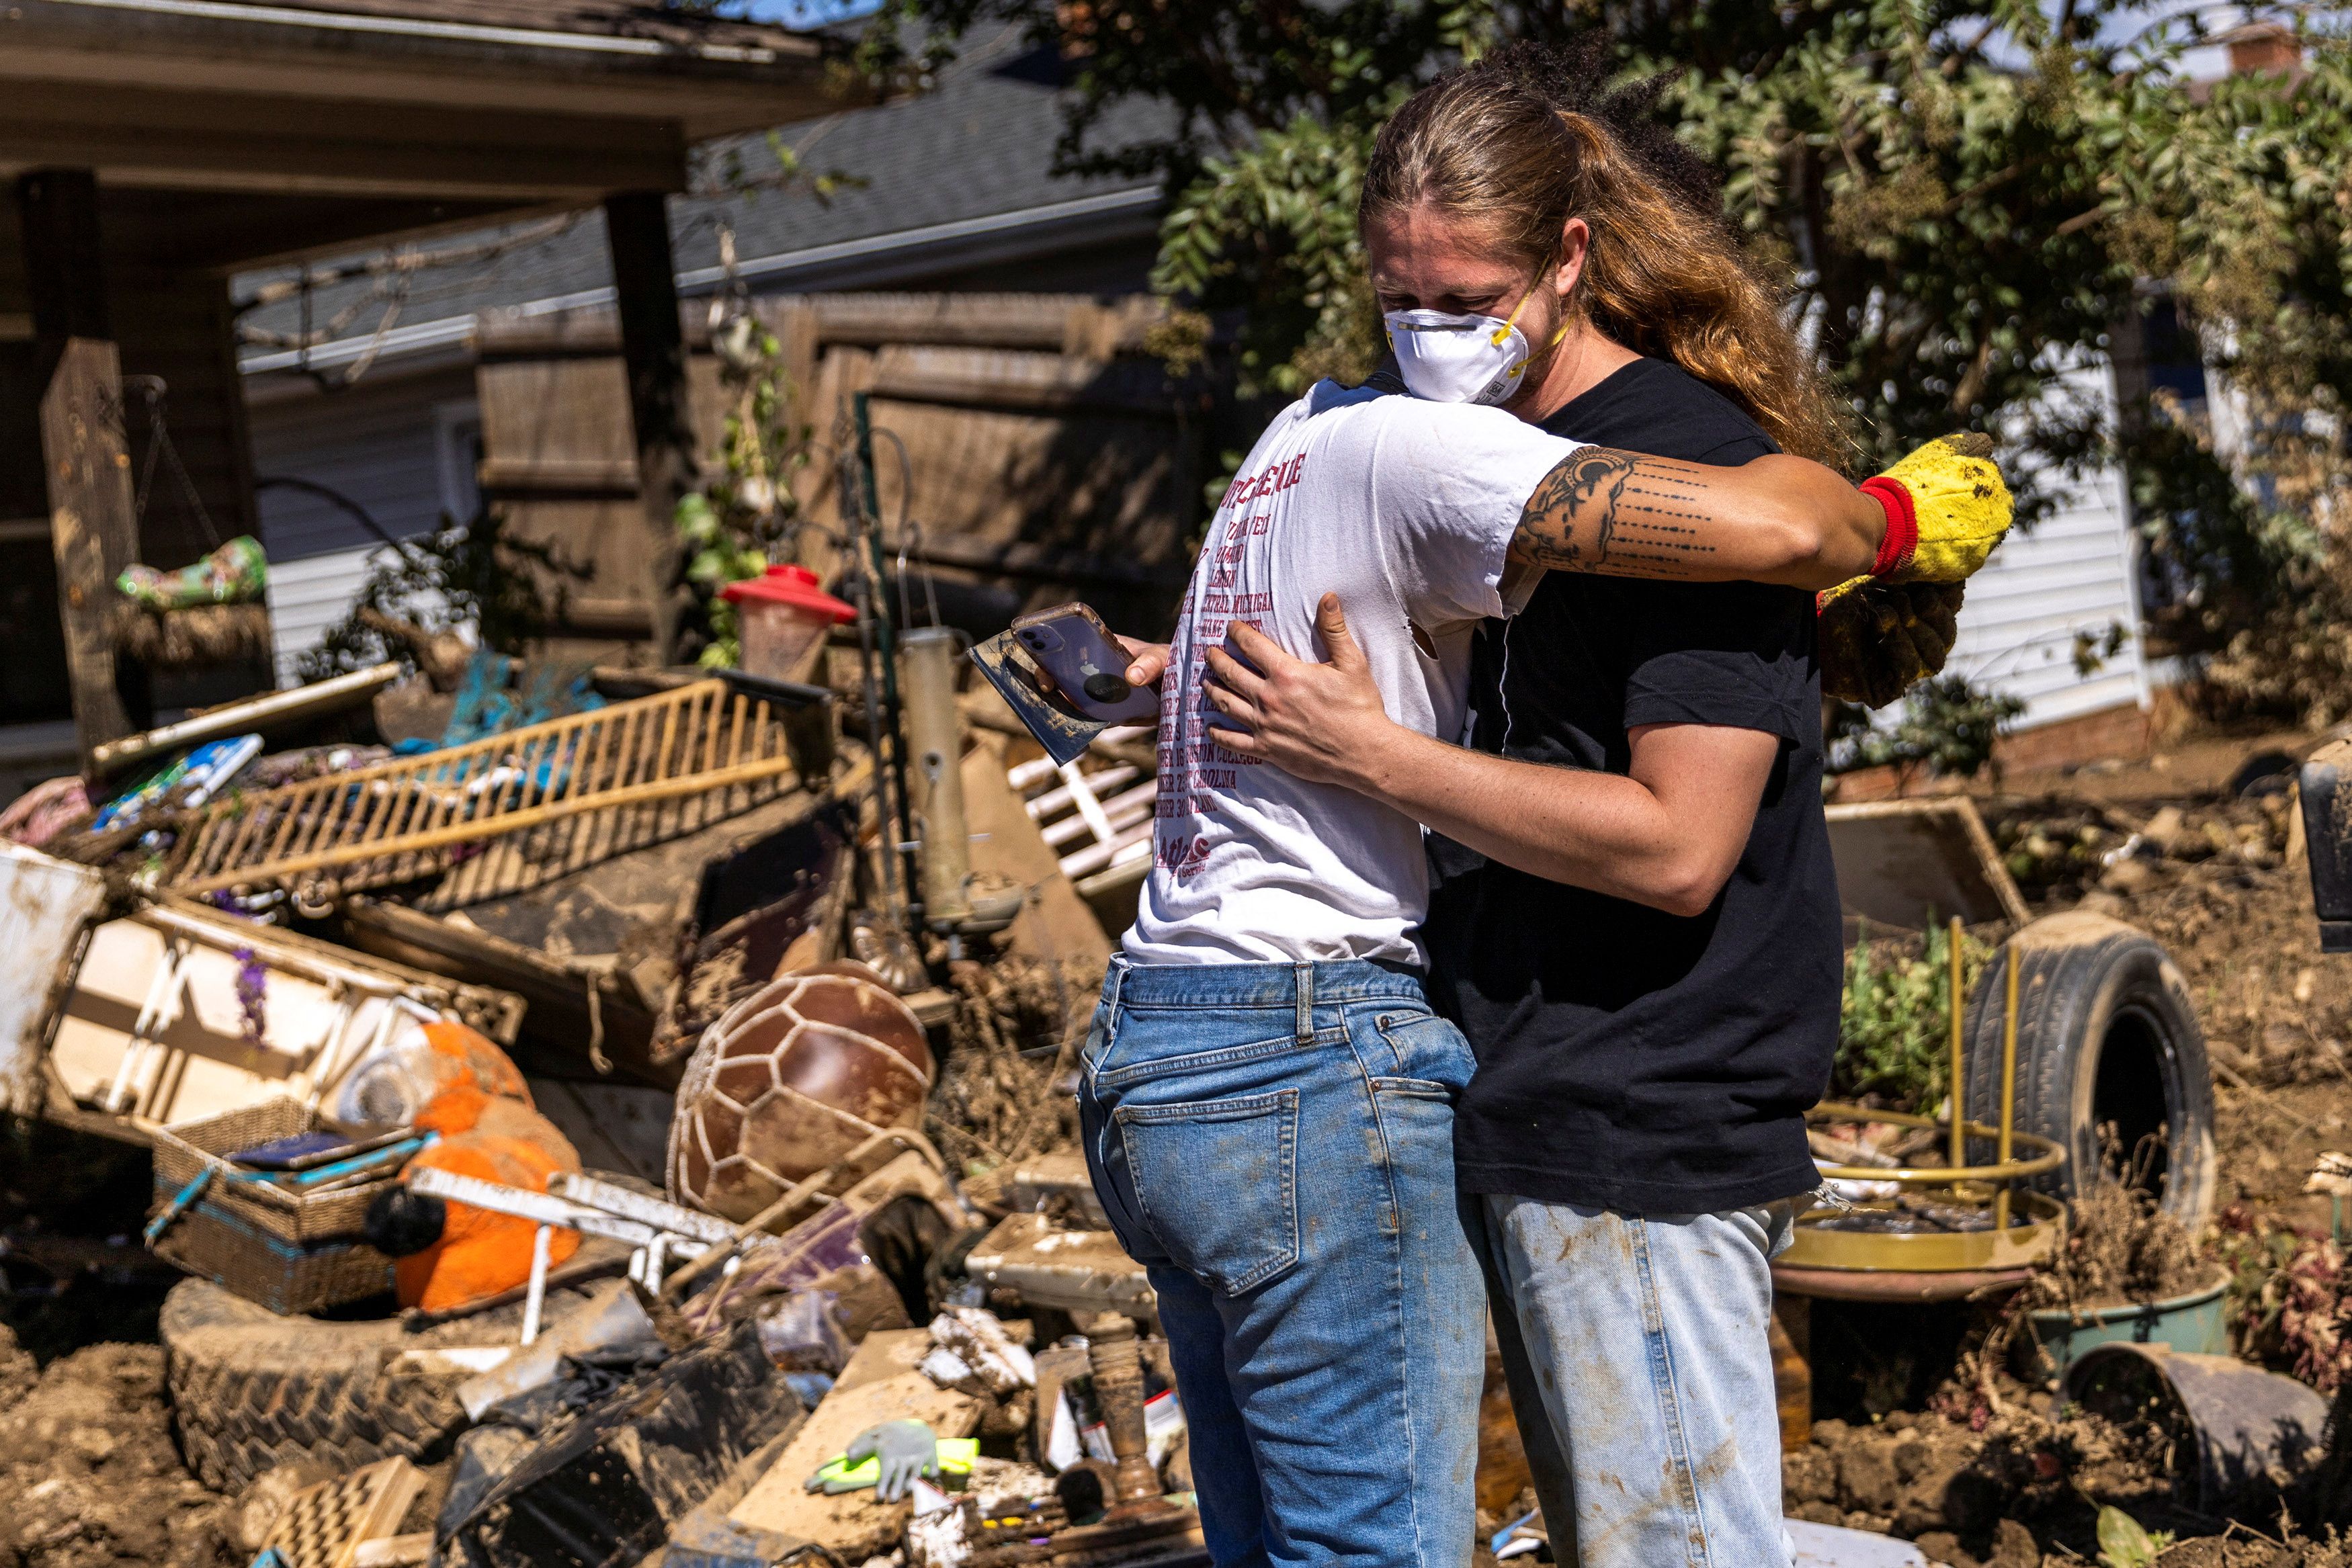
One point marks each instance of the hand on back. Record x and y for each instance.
(1315, 721)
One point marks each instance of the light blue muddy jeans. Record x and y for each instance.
(1646, 1342)
(1275, 1143)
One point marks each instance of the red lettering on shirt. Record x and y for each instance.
(1248, 488)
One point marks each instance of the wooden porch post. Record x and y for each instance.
(85, 452)
(653, 347)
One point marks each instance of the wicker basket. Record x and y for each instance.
(284, 1276)
(289, 1252)
(182, 1151)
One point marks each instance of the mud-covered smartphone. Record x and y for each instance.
(1070, 644)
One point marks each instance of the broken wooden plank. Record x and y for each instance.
(1909, 865)
(1054, 922)
(93, 529)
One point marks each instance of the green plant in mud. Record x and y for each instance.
(2124, 1543)
(2289, 1300)
(746, 514)
(1894, 1018)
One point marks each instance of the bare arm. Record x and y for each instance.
(1667, 834)
(1774, 519)
(1621, 514)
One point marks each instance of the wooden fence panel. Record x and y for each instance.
(1049, 459)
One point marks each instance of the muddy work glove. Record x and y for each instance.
(1947, 508)
(905, 1449)
(1878, 640)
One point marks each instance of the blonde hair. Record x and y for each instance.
(1517, 143)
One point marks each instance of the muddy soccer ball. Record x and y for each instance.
(788, 1081)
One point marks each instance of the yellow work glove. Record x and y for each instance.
(1946, 509)
(1880, 639)
(1964, 509)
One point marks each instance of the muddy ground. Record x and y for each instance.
(90, 1474)
(2213, 876)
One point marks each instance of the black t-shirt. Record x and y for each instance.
(1629, 1059)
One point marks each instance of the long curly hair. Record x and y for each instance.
(1533, 135)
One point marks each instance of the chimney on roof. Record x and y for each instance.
(2264, 48)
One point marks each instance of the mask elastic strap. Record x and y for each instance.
(1512, 321)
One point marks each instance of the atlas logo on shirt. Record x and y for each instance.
(1182, 857)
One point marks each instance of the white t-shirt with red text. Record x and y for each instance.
(1405, 509)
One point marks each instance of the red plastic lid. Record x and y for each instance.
(793, 585)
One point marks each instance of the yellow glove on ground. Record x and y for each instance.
(1880, 639)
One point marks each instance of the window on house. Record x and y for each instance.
(457, 445)
(2176, 361)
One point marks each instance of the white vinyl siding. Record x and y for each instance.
(2073, 572)
(381, 445)
(402, 450)
(307, 597)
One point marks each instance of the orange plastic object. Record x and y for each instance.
(481, 1253)
(493, 1069)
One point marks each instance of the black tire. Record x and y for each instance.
(252, 1390)
(2105, 1032)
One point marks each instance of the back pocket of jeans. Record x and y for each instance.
(1217, 1181)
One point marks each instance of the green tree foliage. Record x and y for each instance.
(1964, 196)
(1947, 726)
(746, 513)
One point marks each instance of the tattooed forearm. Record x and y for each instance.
(1622, 513)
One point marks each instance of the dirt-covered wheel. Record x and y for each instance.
(2106, 1035)
(251, 1390)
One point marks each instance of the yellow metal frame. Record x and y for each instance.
(2053, 1156)
(2010, 1243)
(2030, 1239)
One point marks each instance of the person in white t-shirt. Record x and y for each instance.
(1266, 1097)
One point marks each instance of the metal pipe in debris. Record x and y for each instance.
(864, 593)
(2008, 1084)
(935, 747)
(869, 508)
(1959, 1053)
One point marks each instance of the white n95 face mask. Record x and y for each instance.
(1445, 357)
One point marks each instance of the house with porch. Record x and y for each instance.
(155, 150)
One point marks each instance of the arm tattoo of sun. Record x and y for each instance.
(1617, 512)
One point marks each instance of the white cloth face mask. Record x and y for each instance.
(1447, 357)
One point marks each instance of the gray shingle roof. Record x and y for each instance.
(615, 19)
(970, 160)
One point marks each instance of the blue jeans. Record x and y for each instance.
(1646, 1342)
(1275, 1143)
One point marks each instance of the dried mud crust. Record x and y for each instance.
(88, 1475)
(2237, 920)
(1974, 1495)
(252, 1391)
(2238, 923)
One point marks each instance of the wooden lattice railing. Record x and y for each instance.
(502, 814)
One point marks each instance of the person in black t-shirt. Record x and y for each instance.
(1634, 915)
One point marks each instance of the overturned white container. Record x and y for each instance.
(45, 905)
